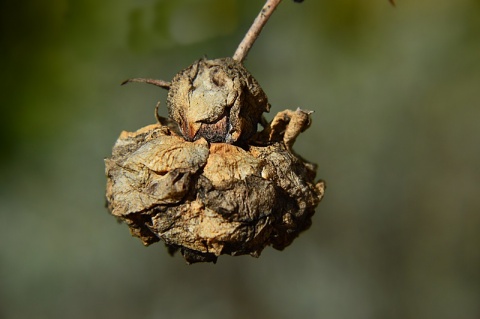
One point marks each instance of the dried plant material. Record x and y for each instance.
(218, 100)
(286, 126)
(204, 181)
(210, 199)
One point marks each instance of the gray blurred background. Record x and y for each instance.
(396, 134)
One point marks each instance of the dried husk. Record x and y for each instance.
(208, 199)
(218, 100)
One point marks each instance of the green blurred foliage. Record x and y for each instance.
(395, 133)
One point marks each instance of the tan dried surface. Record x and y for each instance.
(218, 100)
(207, 199)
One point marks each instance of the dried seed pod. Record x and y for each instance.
(204, 181)
(211, 199)
(218, 100)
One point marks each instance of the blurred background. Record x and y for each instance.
(396, 134)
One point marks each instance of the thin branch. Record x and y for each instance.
(159, 119)
(160, 83)
(255, 30)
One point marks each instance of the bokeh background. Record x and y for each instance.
(396, 134)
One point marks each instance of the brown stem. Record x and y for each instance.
(255, 30)
(160, 83)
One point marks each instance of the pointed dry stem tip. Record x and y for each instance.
(160, 83)
(255, 30)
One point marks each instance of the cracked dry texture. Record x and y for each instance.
(218, 100)
(207, 199)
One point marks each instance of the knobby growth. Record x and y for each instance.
(204, 180)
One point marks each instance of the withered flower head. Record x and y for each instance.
(208, 199)
(218, 100)
(204, 181)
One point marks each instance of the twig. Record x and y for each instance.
(160, 83)
(255, 30)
